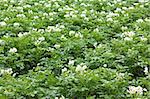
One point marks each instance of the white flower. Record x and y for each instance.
(41, 39)
(100, 46)
(147, 20)
(139, 90)
(95, 44)
(142, 1)
(16, 24)
(124, 8)
(67, 15)
(3, 24)
(109, 20)
(129, 34)
(6, 71)
(63, 37)
(56, 98)
(27, 6)
(118, 10)
(139, 20)
(50, 49)
(19, 9)
(136, 90)
(124, 28)
(30, 11)
(105, 65)
(20, 35)
(34, 29)
(144, 89)
(62, 97)
(72, 33)
(136, 4)
(36, 17)
(14, 74)
(83, 15)
(21, 15)
(141, 6)
(103, 12)
(78, 35)
(122, 12)
(64, 70)
(57, 46)
(60, 9)
(130, 8)
(41, 30)
(50, 28)
(118, 0)
(6, 19)
(13, 50)
(26, 33)
(71, 62)
(80, 68)
(127, 39)
(132, 90)
(51, 14)
(2, 42)
(45, 14)
(146, 70)
(62, 26)
(84, 67)
(96, 30)
(110, 14)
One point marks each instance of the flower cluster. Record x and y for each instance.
(3, 24)
(6, 71)
(13, 50)
(136, 90)
(81, 68)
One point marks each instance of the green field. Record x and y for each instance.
(74, 49)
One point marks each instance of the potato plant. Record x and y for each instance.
(74, 49)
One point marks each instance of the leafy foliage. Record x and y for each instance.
(74, 49)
